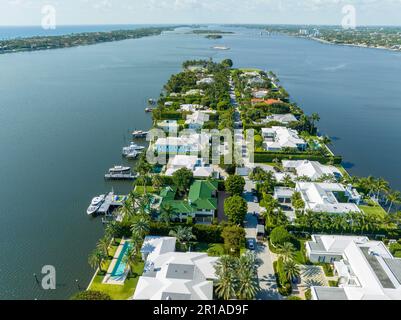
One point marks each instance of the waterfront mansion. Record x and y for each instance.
(276, 138)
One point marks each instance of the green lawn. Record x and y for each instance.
(212, 249)
(373, 209)
(250, 70)
(141, 189)
(118, 292)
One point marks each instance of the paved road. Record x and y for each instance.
(267, 280)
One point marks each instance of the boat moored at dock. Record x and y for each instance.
(131, 148)
(95, 204)
(139, 134)
(106, 204)
(120, 173)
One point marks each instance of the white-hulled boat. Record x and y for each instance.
(119, 169)
(120, 173)
(139, 134)
(95, 204)
(132, 155)
(132, 147)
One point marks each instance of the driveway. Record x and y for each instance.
(267, 279)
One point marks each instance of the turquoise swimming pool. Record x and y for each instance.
(119, 268)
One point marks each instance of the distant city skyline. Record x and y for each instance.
(96, 12)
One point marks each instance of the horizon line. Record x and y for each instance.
(201, 24)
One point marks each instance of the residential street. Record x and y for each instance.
(267, 280)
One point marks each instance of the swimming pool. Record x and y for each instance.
(119, 268)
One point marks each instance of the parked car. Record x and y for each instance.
(251, 245)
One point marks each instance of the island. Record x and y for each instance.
(76, 39)
(185, 213)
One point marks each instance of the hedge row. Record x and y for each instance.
(265, 156)
(203, 233)
(283, 285)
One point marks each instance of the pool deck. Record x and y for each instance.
(108, 279)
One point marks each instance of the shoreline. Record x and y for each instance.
(346, 44)
(74, 40)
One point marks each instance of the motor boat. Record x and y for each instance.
(132, 155)
(139, 134)
(120, 173)
(95, 204)
(119, 170)
(132, 147)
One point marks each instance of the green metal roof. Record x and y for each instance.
(200, 197)
(201, 194)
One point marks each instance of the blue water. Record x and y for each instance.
(120, 265)
(65, 115)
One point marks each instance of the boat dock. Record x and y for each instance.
(120, 176)
(110, 203)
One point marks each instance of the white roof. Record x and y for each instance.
(207, 80)
(190, 107)
(155, 246)
(193, 163)
(311, 169)
(283, 118)
(195, 141)
(368, 271)
(177, 276)
(260, 93)
(319, 197)
(280, 192)
(282, 138)
(198, 117)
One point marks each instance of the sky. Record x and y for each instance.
(79, 12)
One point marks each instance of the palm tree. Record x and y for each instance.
(287, 181)
(183, 234)
(157, 182)
(130, 258)
(103, 245)
(380, 186)
(291, 270)
(248, 284)
(224, 265)
(144, 168)
(167, 213)
(225, 286)
(326, 140)
(96, 258)
(287, 251)
(314, 118)
(304, 121)
(111, 230)
(393, 197)
(140, 226)
(136, 241)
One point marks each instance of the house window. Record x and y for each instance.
(321, 259)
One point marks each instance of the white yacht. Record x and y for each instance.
(139, 134)
(132, 147)
(120, 173)
(95, 204)
(132, 155)
(119, 169)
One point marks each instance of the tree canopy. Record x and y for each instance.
(235, 208)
